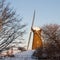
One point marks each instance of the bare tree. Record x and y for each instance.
(51, 47)
(51, 34)
(10, 26)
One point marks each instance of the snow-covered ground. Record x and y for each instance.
(27, 55)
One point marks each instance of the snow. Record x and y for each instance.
(27, 55)
(36, 28)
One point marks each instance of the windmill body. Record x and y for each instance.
(37, 41)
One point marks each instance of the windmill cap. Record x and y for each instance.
(36, 28)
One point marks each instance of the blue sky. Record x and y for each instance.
(47, 11)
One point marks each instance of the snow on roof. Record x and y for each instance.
(36, 28)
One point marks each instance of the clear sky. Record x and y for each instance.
(47, 11)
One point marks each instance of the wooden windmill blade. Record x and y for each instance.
(33, 19)
(31, 31)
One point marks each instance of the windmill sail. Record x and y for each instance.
(31, 31)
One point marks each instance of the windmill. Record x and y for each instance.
(37, 41)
